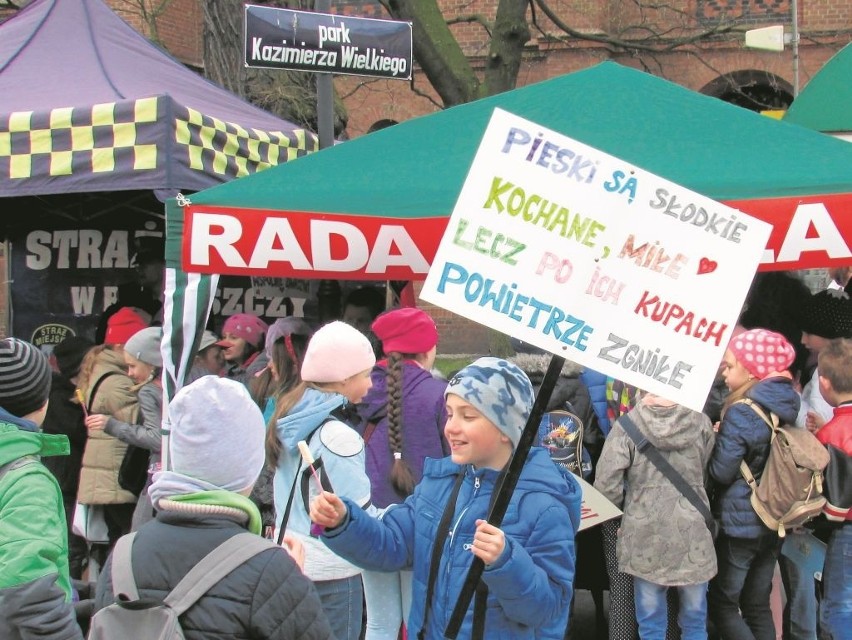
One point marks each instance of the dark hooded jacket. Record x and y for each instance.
(64, 416)
(743, 435)
(267, 597)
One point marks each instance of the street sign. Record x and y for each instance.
(327, 43)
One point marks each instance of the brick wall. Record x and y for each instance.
(179, 27)
(551, 53)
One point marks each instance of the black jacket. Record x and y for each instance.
(267, 597)
(64, 416)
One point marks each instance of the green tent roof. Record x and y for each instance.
(416, 168)
(825, 104)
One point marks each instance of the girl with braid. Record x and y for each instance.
(403, 417)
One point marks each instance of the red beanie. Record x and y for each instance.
(406, 330)
(122, 325)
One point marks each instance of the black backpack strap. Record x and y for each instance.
(650, 451)
(217, 564)
(480, 600)
(286, 517)
(97, 386)
(123, 580)
(438, 549)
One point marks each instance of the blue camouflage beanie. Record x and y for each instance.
(499, 390)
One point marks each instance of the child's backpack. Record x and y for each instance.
(561, 433)
(790, 489)
(132, 617)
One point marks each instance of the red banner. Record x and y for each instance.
(298, 244)
(809, 232)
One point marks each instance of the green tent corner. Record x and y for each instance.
(825, 104)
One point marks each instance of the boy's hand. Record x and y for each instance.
(327, 510)
(488, 542)
(814, 421)
(96, 422)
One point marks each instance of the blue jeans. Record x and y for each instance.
(342, 601)
(738, 599)
(836, 607)
(652, 610)
(800, 612)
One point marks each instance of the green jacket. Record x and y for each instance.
(35, 588)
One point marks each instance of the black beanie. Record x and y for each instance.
(24, 377)
(828, 314)
(69, 355)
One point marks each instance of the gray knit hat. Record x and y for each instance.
(217, 433)
(144, 345)
(24, 377)
(499, 390)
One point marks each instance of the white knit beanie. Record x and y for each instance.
(336, 352)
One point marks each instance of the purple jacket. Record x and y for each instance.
(423, 418)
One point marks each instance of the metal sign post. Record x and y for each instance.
(325, 96)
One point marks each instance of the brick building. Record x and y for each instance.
(710, 59)
(716, 64)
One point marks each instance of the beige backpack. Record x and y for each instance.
(790, 489)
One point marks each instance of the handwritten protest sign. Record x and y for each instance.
(580, 253)
(595, 507)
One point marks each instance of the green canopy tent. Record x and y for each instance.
(825, 104)
(376, 207)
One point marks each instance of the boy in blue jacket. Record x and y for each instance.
(529, 560)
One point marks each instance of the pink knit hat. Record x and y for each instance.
(246, 326)
(762, 352)
(406, 330)
(336, 352)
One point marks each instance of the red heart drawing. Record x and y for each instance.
(706, 265)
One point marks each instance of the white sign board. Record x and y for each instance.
(595, 507)
(580, 253)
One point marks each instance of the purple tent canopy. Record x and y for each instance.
(88, 104)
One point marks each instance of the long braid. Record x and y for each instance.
(401, 477)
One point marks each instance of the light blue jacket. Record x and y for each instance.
(337, 444)
(531, 584)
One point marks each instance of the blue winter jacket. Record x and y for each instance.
(596, 384)
(529, 587)
(743, 435)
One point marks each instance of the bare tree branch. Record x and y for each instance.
(655, 42)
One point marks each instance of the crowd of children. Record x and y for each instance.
(374, 479)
